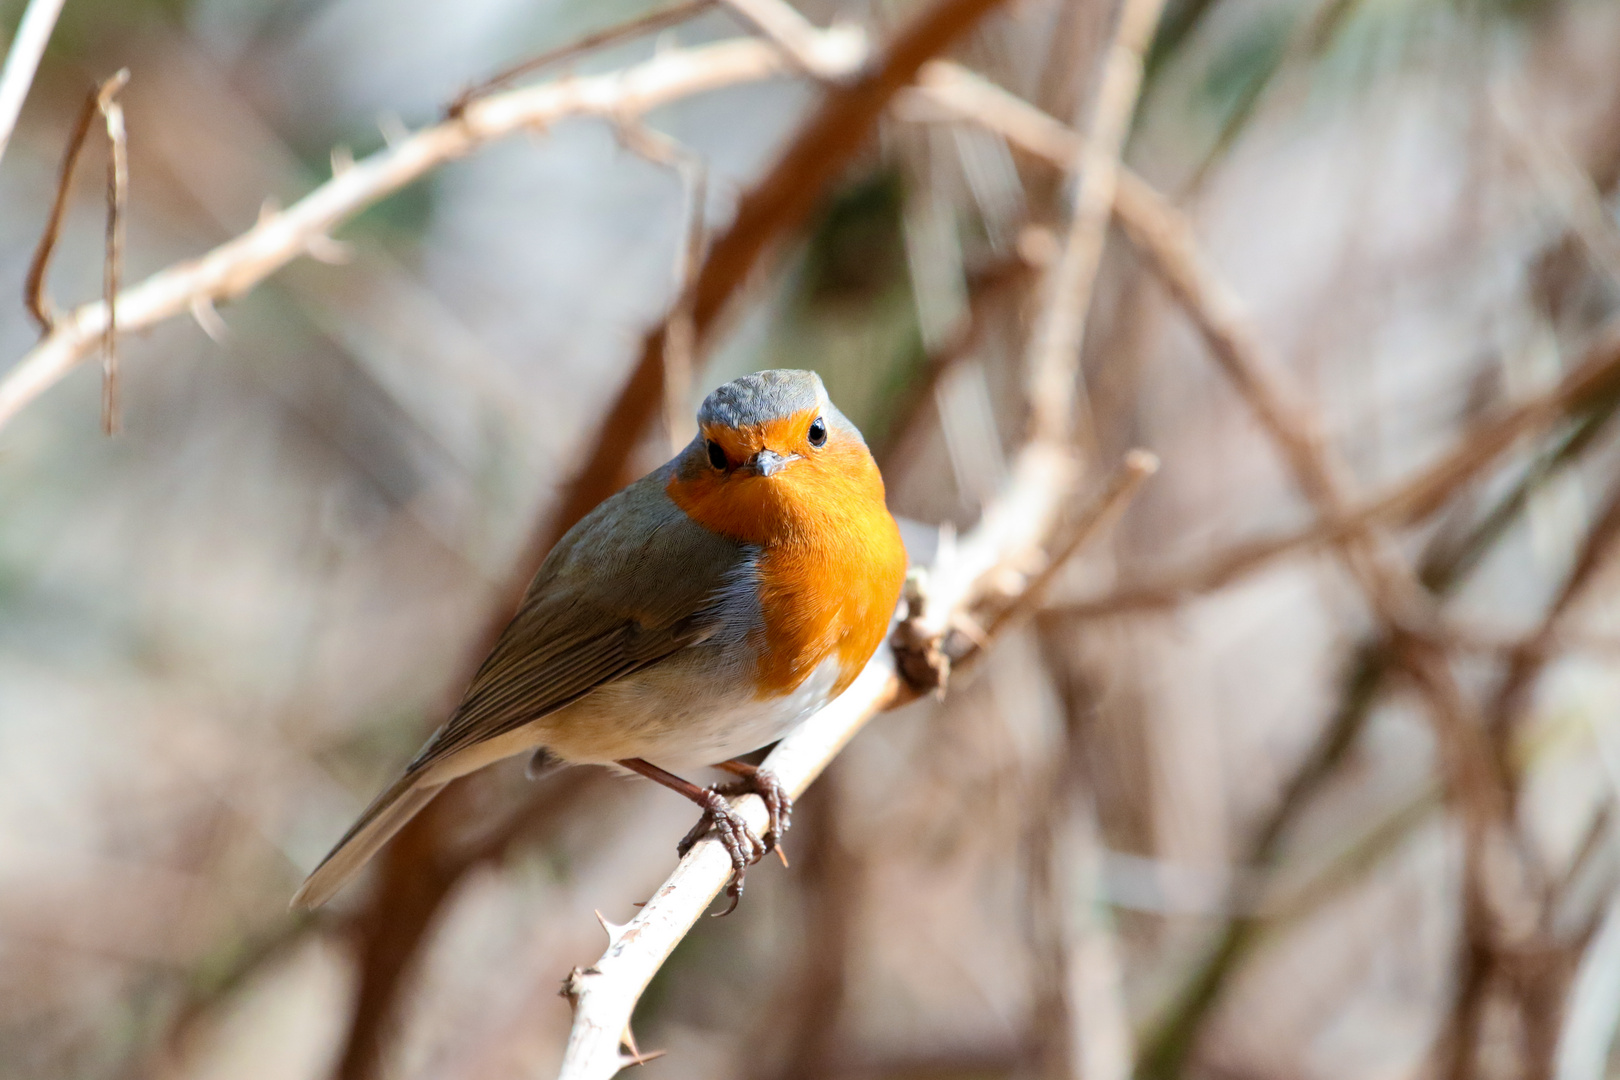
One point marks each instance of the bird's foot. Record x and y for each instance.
(734, 835)
(763, 782)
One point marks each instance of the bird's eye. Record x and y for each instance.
(818, 432)
(717, 456)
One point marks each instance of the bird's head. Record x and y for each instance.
(772, 452)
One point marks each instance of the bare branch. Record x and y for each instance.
(35, 296)
(1019, 523)
(823, 54)
(102, 101)
(649, 23)
(238, 265)
(1137, 467)
(1404, 504)
(1054, 350)
(113, 266)
(1563, 182)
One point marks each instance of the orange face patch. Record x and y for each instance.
(832, 561)
(787, 435)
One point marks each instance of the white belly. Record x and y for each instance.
(674, 720)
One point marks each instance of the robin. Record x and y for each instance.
(702, 612)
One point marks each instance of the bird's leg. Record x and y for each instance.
(728, 825)
(762, 782)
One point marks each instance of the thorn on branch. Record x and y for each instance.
(392, 128)
(636, 1057)
(207, 317)
(615, 931)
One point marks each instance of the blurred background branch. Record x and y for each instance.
(1307, 768)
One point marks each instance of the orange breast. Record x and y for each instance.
(832, 562)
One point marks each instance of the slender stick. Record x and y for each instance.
(113, 265)
(1404, 503)
(33, 32)
(1060, 329)
(661, 19)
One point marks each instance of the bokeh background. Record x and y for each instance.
(223, 629)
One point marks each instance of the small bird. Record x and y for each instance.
(698, 614)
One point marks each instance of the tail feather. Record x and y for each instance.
(386, 815)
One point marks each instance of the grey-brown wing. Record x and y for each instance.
(633, 582)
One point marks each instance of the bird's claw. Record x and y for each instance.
(734, 835)
(733, 832)
(778, 803)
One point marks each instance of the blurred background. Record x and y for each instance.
(1221, 823)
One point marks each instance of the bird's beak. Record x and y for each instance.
(769, 462)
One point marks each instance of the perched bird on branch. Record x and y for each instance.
(701, 613)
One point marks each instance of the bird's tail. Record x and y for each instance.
(386, 815)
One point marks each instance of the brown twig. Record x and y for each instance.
(113, 267)
(1539, 988)
(279, 237)
(1405, 503)
(1530, 656)
(1476, 781)
(649, 23)
(35, 297)
(1122, 487)
(1445, 563)
(102, 101)
(1094, 170)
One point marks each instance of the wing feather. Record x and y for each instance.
(634, 582)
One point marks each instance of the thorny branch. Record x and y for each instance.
(954, 589)
(235, 267)
(653, 21)
(400, 910)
